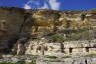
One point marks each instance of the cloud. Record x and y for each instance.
(32, 4)
(54, 4)
(50, 4)
(44, 7)
(27, 6)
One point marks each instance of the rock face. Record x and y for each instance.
(11, 20)
(41, 47)
(20, 31)
(70, 61)
(17, 59)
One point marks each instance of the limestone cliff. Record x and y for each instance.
(18, 26)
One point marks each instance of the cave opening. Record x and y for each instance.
(87, 49)
(70, 50)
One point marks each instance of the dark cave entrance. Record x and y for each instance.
(70, 50)
(87, 49)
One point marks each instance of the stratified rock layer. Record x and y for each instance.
(19, 26)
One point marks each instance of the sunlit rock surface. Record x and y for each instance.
(20, 29)
(69, 35)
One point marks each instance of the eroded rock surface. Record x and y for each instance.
(19, 26)
(87, 60)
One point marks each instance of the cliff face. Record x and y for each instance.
(18, 26)
(10, 22)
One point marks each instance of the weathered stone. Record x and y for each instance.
(21, 31)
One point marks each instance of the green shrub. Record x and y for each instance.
(56, 61)
(66, 57)
(57, 37)
(80, 35)
(20, 62)
(90, 55)
(52, 57)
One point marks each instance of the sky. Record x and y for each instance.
(51, 4)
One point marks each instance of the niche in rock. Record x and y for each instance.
(39, 48)
(70, 50)
(87, 49)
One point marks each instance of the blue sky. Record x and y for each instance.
(51, 4)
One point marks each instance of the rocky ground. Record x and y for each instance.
(64, 59)
(87, 60)
(17, 59)
(70, 59)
